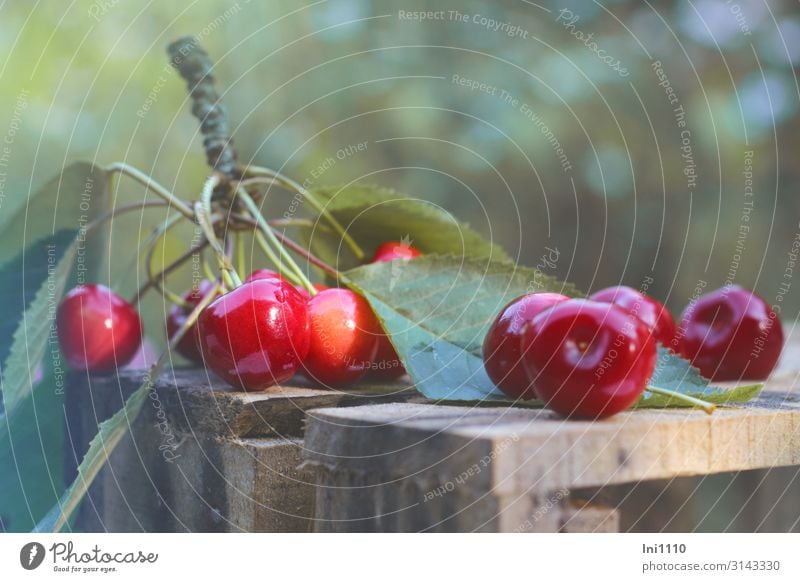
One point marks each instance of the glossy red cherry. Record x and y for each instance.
(344, 337)
(256, 335)
(264, 274)
(652, 313)
(502, 346)
(392, 250)
(588, 359)
(189, 346)
(731, 334)
(98, 330)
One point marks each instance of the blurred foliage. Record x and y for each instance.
(303, 82)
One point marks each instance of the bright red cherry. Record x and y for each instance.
(189, 346)
(264, 274)
(98, 330)
(392, 250)
(344, 337)
(731, 334)
(588, 359)
(387, 364)
(502, 346)
(652, 313)
(256, 335)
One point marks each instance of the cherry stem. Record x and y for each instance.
(298, 222)
(153, 281)
(202, 212)
(207, 268)
(300, 250)
(240, 256)
(274, 259)
(285, 257)
(150, 184)
(292, 245)
(707, 407)
(290, 184)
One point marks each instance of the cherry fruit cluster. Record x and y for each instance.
(258, 334)
(592, 358)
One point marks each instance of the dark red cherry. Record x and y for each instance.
(588, 359)
(502, 346)
(256, 335)
(392, 250)
(652, 313)
(344, 337)
(731, 334)
(189, 345)
(264, 274)
(98, 330)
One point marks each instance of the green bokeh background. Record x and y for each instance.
(302, 81)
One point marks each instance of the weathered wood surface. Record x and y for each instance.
(201, 456)
(417, 467)
(198, 402)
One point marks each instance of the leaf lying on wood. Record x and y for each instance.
(437, 310)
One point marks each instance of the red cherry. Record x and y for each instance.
(98, 330)
(306, 294)
(386, 364)
(588, 359)
(344, 337)
(392, 250)
(731, 334)
(189, 346)
(652, 313)
(264, 274)
(257, 335)
(502, 346)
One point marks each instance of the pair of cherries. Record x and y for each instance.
(591, 358)
(255, 336)
(263, 332)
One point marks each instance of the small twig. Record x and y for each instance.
(195, 66)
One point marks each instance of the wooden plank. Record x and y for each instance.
(200, 403)
(421, 467)
(534, 449)
(224, 485)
